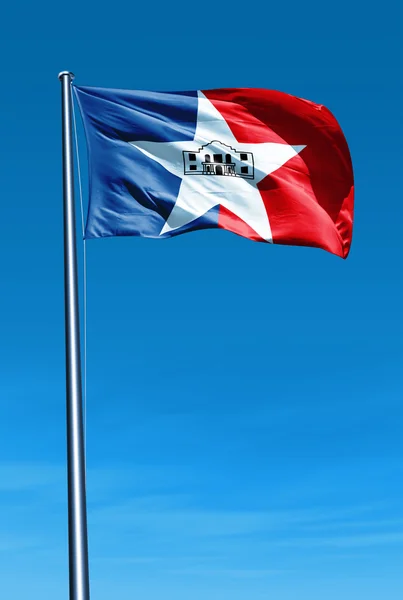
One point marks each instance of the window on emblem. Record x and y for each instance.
(207, 158)
(192, 156)
(244, 170)
(193, 167)
(244, 156)
(217, 158)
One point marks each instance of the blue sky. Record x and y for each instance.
(244, 401)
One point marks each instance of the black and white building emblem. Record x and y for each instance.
(217, 158)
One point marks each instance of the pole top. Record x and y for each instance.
(66, 73)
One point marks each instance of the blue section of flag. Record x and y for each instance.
(130, 194)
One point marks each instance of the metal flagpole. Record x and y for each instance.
(77, 510)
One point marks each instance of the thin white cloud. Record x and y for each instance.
(232, 573)
(16, 477)
(169, 515)
(345, 541)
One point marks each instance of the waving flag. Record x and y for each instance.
(263, 164)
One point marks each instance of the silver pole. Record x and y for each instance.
(78, 542)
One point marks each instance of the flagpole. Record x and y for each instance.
(77, 510)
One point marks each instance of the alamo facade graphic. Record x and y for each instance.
(217, 158)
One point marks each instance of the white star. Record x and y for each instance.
(200, 193)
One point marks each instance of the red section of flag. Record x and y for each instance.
(309, 200)
(227, 220)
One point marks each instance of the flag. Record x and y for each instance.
(260, 163)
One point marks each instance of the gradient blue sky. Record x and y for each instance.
(244, 400)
